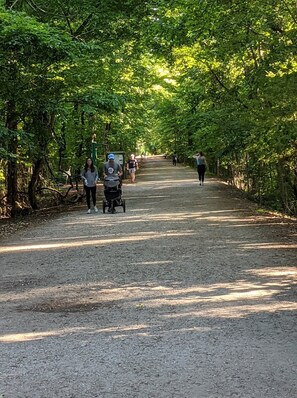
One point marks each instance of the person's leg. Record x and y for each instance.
(199, 173)
(132, 175)
(202, 173)
(88, 197)
(108, 200)
(93, 191)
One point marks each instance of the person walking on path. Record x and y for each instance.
(174, 159)
(90, 177)
(132, 166)
(201, 166)
(111, 168)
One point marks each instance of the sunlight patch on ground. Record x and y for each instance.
(32, 336)
(275, 281)
(235, 311)
(269, 293)
(270, 282)
(286, 272)
(146, 215)
(217, 298)
(21, 337)
(153, 263)
(269, 245)
(149, 333)
(94, 242)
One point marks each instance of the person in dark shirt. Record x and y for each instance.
(174, 159)
(132, 166)
(201, 166)
(112, 172)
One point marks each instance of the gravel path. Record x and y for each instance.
(188, 294)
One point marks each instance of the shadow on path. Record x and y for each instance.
(188, 294)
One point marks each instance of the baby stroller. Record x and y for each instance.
(113, 194)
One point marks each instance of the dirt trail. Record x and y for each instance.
(188, 294)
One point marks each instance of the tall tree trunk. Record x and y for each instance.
(11, 125)
(43, 125)
(62, 147)
(34, 182)
(12, 175)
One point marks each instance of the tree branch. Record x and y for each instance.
(226, 88)
(83, 25)
(13, 4)
(34, 6)
(289, 11)
(67, 18)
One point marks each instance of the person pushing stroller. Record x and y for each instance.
(112, 172)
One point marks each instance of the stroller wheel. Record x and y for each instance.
(124, 205)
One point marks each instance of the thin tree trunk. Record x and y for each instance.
(12, 175)
(44, 125)
(33, 183)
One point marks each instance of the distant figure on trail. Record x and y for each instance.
(174, 159)
(132, 166)
(89, 175)
(201, 166)
(68, 175)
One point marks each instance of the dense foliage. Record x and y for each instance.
(148, 76)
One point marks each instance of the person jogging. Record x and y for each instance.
(132, 166)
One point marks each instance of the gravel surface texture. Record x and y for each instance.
(189, 294)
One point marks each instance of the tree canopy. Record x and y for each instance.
(149, 76)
